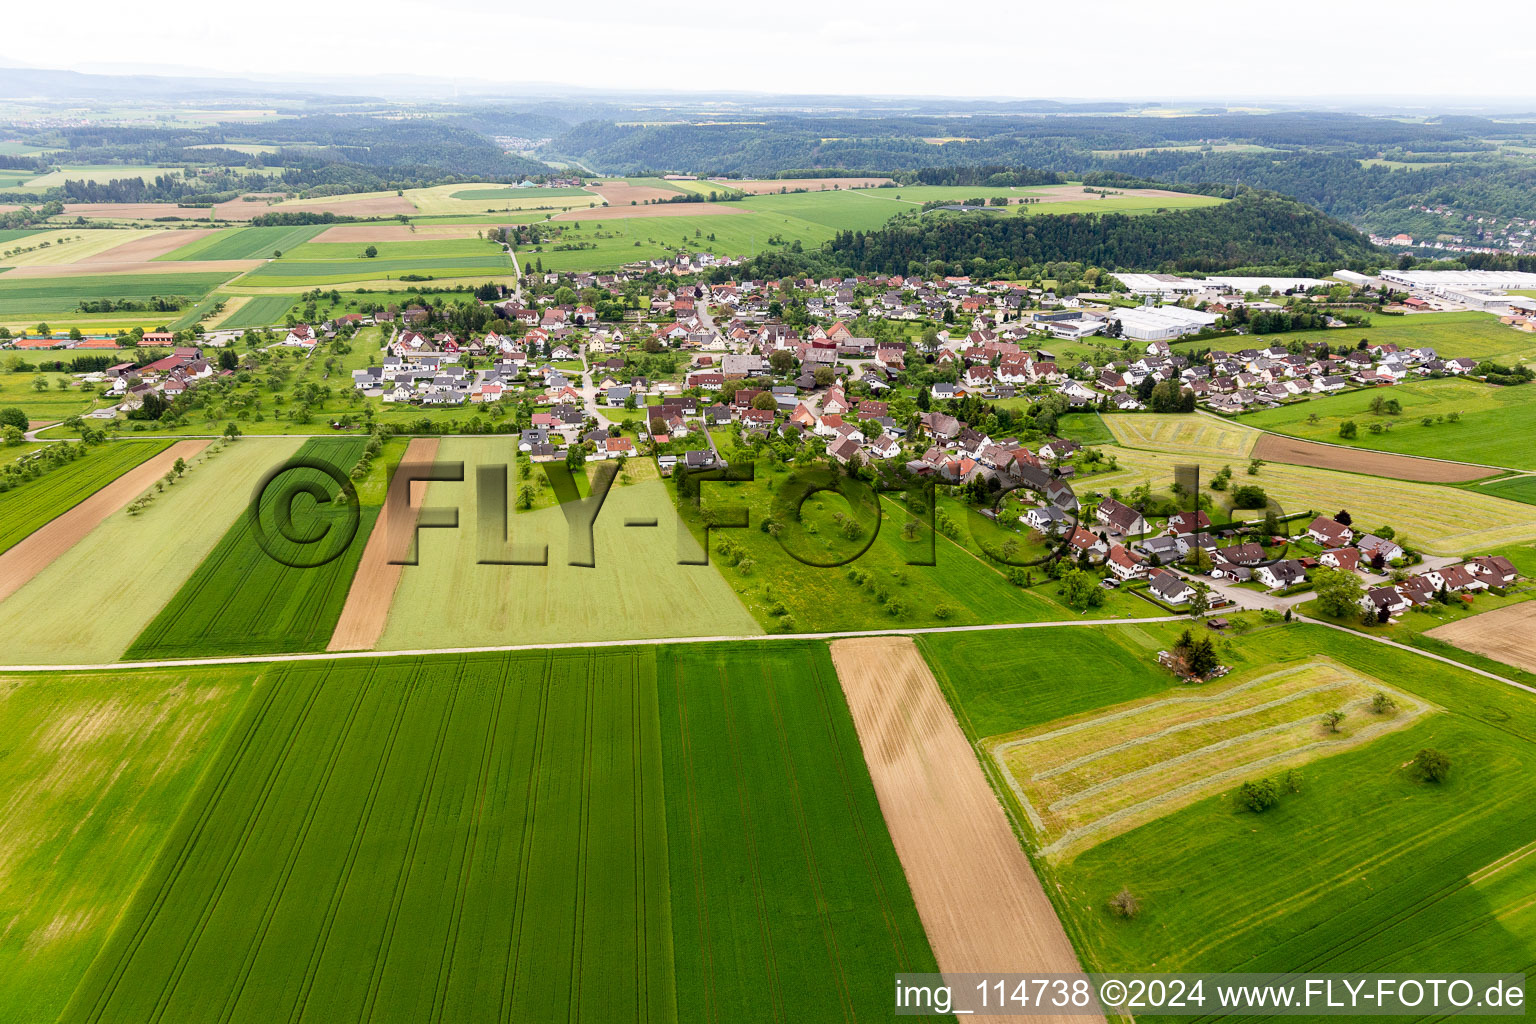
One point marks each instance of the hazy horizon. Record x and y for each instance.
(1186, 51)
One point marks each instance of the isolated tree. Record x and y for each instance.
(1382, 703)
(1124, 904)
(1348, 430)
(1431, 765)
(1258, 795)
(11, 416)
(371, 252)
(1332, 719)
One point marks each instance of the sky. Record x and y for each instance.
(1123, 49)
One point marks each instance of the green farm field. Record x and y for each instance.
(243, 601)
(635, 590)
(582, 834)
(736, 234)
(293, 273)
(1517, 488)
(96, 771)
(258, 311)
(46, 296)
(788, 900)
(428, 248)
(1495, 421)
(1398, 875)
(101, 173)
(1452, 336)
(245, 243)
(91, 603)
(25, 508)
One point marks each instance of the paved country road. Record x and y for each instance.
(264, 659)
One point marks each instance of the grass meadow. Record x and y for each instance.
(1495, 421)
(243, 601)
(635, 834)
(91, 603)
(792, 582)
(97, 768)
(1364, 869)
(25, 508)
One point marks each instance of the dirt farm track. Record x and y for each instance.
(1296, 452)
(977, 893)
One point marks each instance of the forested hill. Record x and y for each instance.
(1254, 229)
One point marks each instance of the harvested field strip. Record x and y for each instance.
(151, 247)
(228, 268)
(980, 901)
(96, 770)
(243, 600)
(1296, 452)
(366, 610)
(444, 839)
(788, 899)
(29, 557)
(1104, 773)
(1503, 635)
(1182, 432)
(90, 604)
(72, 245)
(29, 506)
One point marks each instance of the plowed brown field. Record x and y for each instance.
(981, 904)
